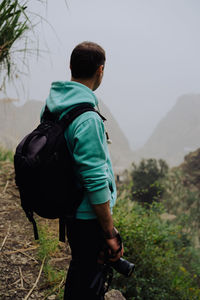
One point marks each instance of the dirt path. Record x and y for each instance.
(19, 264)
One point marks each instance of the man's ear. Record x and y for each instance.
(100, 69)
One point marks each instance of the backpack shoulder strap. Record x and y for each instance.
(65, 121)
(77, 111)
(69, 116)
(49, 116)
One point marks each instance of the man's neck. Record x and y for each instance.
(88, 82)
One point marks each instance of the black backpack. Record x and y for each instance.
(44, 170)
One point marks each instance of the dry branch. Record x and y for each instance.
(5, 188)
(20, 250)
(58, 287)
(5, 238)
(36, 282)
(21, 278)
(15, 282)
(32, 258)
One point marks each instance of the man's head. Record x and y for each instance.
(87, 63)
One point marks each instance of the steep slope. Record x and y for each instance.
(182, 193)
(176, 134)
(121, 153)
(17, 121)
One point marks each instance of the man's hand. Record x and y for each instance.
(110, 232)
(115, 250)
(112, 252)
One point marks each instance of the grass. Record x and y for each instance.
(48, 248)
(13, 24)
(6, 155)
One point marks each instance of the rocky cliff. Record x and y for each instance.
(177, 133)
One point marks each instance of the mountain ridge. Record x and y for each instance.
(176, 134)
(19, 120)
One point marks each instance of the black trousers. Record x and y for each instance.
(85, 240)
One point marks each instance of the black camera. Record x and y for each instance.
(103, 279)
(123, 267)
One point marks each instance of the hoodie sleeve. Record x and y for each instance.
(89, 151)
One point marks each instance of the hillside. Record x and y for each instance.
(176, 134)
(17, 121)
(28, 267)
(182, 194)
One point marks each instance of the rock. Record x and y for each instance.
(114, 295)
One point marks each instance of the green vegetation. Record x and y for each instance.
(48, 247)
(163, 249)
(167, 266)
(167, 263)
(162, 246)
(15, 45)
(6, 155)
(181, 198)
(147, 186)
(13, 24)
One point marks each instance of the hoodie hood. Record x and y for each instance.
(65, 95)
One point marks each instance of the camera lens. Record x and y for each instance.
(123, 267)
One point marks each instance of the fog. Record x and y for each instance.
(152, 50)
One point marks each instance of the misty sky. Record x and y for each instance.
(152, 49)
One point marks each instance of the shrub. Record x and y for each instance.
(146, 185)
(161, 253)
(13, 24)
(182, 199)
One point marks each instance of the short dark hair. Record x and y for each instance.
(85, 59)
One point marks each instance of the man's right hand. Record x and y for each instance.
(115, 249)
(104, 216)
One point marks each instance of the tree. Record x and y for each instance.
(146, 177)
(13, 25)
(15, 21)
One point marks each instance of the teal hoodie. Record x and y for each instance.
(87, 142)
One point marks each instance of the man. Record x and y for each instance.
(86, 139)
